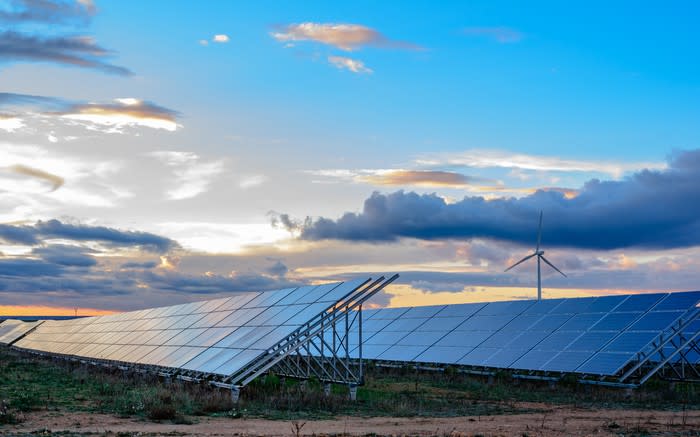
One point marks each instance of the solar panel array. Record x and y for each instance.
(594, 335)
(216, 337)
(11, 330)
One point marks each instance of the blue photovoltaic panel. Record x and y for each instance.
(679, 301)
(631, 341)
(442, 355)
(216, 336)
(584, 335)
(615, 321)
(605, 363)
(639, 302)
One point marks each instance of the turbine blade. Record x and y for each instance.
(520, 262)
(539, 234)
(552, 266)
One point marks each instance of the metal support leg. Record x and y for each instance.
(353, 392)
(235, 394)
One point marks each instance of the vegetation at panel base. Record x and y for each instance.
(29, 383)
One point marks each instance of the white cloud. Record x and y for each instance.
(252, 181)
(10, 124)
(221, 237)
(192, 177)
(221, 38)
(354, 65)
(476, 158)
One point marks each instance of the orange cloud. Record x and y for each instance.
(427, 178)
(124, 112)
(348, 37)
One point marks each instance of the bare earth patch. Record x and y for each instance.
(555, 421)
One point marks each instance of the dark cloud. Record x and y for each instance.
(17, 267)
(139, 265)
(23, 235)
(79, 51)
(34, 234)
(110, 236)
(650, 209)
(277, 269)
(210, 284)
(72, 256)
(47, 11)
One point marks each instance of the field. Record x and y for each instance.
(42, 396)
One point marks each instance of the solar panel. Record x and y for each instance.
(218, 336)
(11, 330)
(591, 335)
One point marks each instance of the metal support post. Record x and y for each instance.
(235, 394)
(353, 392)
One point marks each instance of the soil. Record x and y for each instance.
(553, 421)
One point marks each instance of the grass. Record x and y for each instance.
(29, 383)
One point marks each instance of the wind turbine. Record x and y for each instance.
(540, 256)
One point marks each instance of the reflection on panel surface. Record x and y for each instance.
(597, 335)
(218, 336)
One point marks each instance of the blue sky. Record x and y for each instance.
(307, 108)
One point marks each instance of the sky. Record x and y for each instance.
(160, 152)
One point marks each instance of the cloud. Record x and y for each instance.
(64, 255)
(55, 181)
(30, 100)
(354, 65)
(478, 158)
(18, 235)
(347, 37)
(103, 234)
(278, 269)
(55, 229)
(220, 38)
(192, 177)
(212, 283)
(139, 265)
(502, 35)
(32, 268)
(122, 113)
(115, 115)
(47, 11)
(252, 181)
(404, 177)
(650, 209)
(77, 51)
(423, 178)
(10, 124)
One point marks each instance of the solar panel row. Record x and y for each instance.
(216, 337)
(595, 335)
(11, 330)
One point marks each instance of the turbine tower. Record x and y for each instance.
(540, 256)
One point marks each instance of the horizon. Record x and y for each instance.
(256, 146)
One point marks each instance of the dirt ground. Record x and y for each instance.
(555, 421)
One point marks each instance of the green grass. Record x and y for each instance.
(29, 383)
